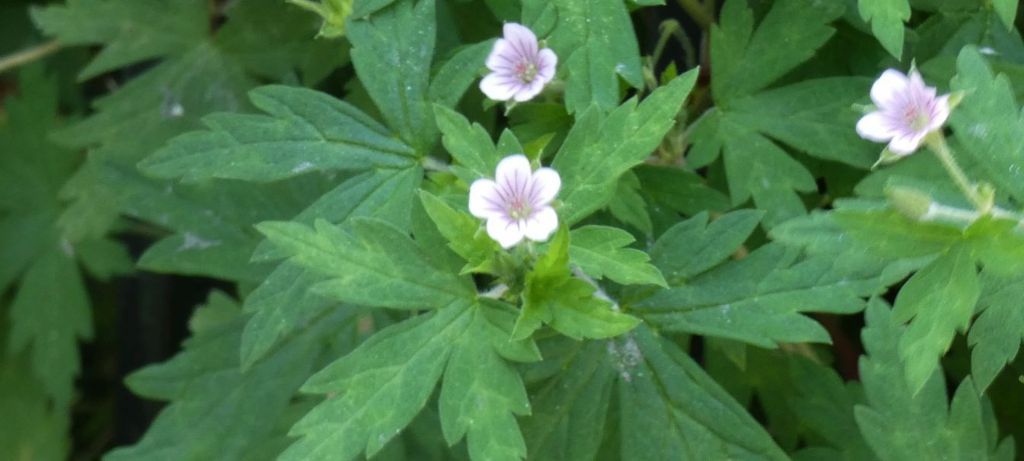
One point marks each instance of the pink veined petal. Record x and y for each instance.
(484, 200)
(906, 143)
(502, 57)
(499, 87)
(542, 224)
(876, 126)
(547, 62)
(544, 188)
(522, 39)
(504, 231)
(513, 175)
(890, 90)
(530, 90)
(939, 113)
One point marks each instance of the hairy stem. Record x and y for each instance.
(938, 145)
(26, 56)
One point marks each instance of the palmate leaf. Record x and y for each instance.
(668, 408)
(304, 131)
(283, 302)
(215, 410)
(392, 51)
(568, 304)
(694, 246)
(130, 31)
(812, 116)
(759, 299)
(998, 332)
(989, 123)
(596, 42)
(600, 148)
(384, 383)
(375, 265)
(601, 252)
(39, 431)
(886, 18)
(941, 298)
(901, 423)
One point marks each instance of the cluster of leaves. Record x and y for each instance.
(712, 223)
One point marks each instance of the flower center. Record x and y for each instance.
(519, 209)
(916, 117)
(526, 71)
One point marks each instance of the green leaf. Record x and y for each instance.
(378, 388)
(482, 393)
(1007, 11)
(375, 265)
(693, 246)
(664, 396)
(462, 231)
(759, 299)
(940, 299)
(599, 149)
(628, 206)
(50, 314)
(601, 251)
(305, 131)
(469, 145)
(570, 305)
(886, 18)
(392, 52)
(570, 410)
(216, 410)
(997, 333)
(902, 423)
(130, 31)
(747, 61)
(40, 430)
(825, 406)
(458, 73)
(595, 38)
(988, 123)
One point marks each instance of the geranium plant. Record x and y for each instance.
(511, 229)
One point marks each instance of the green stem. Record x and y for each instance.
(938, 145)
(698, 12)
(26, 56)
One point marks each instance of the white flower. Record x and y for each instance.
(517, 203)
(519, 70)
(907, 111)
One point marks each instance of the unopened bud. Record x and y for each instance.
(912, 203)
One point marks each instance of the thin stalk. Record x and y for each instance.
(938, 145)
(698, 12)
(26, 56)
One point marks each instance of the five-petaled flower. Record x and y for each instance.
(517, 203)
(519, 67)
(907, 111)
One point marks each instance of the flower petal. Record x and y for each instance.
(513, 174)
(505, 231)
(939, 113)
(542, 224)
(890, 89)
(906, 143)
(529, 90)
(522, 39)
(544, 187)
(876, 126)
(502, 57)
(484, 200)
(500, 87)
(547, 62)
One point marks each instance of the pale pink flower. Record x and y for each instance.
(907, 110)
(519, 68)
(517, 203)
